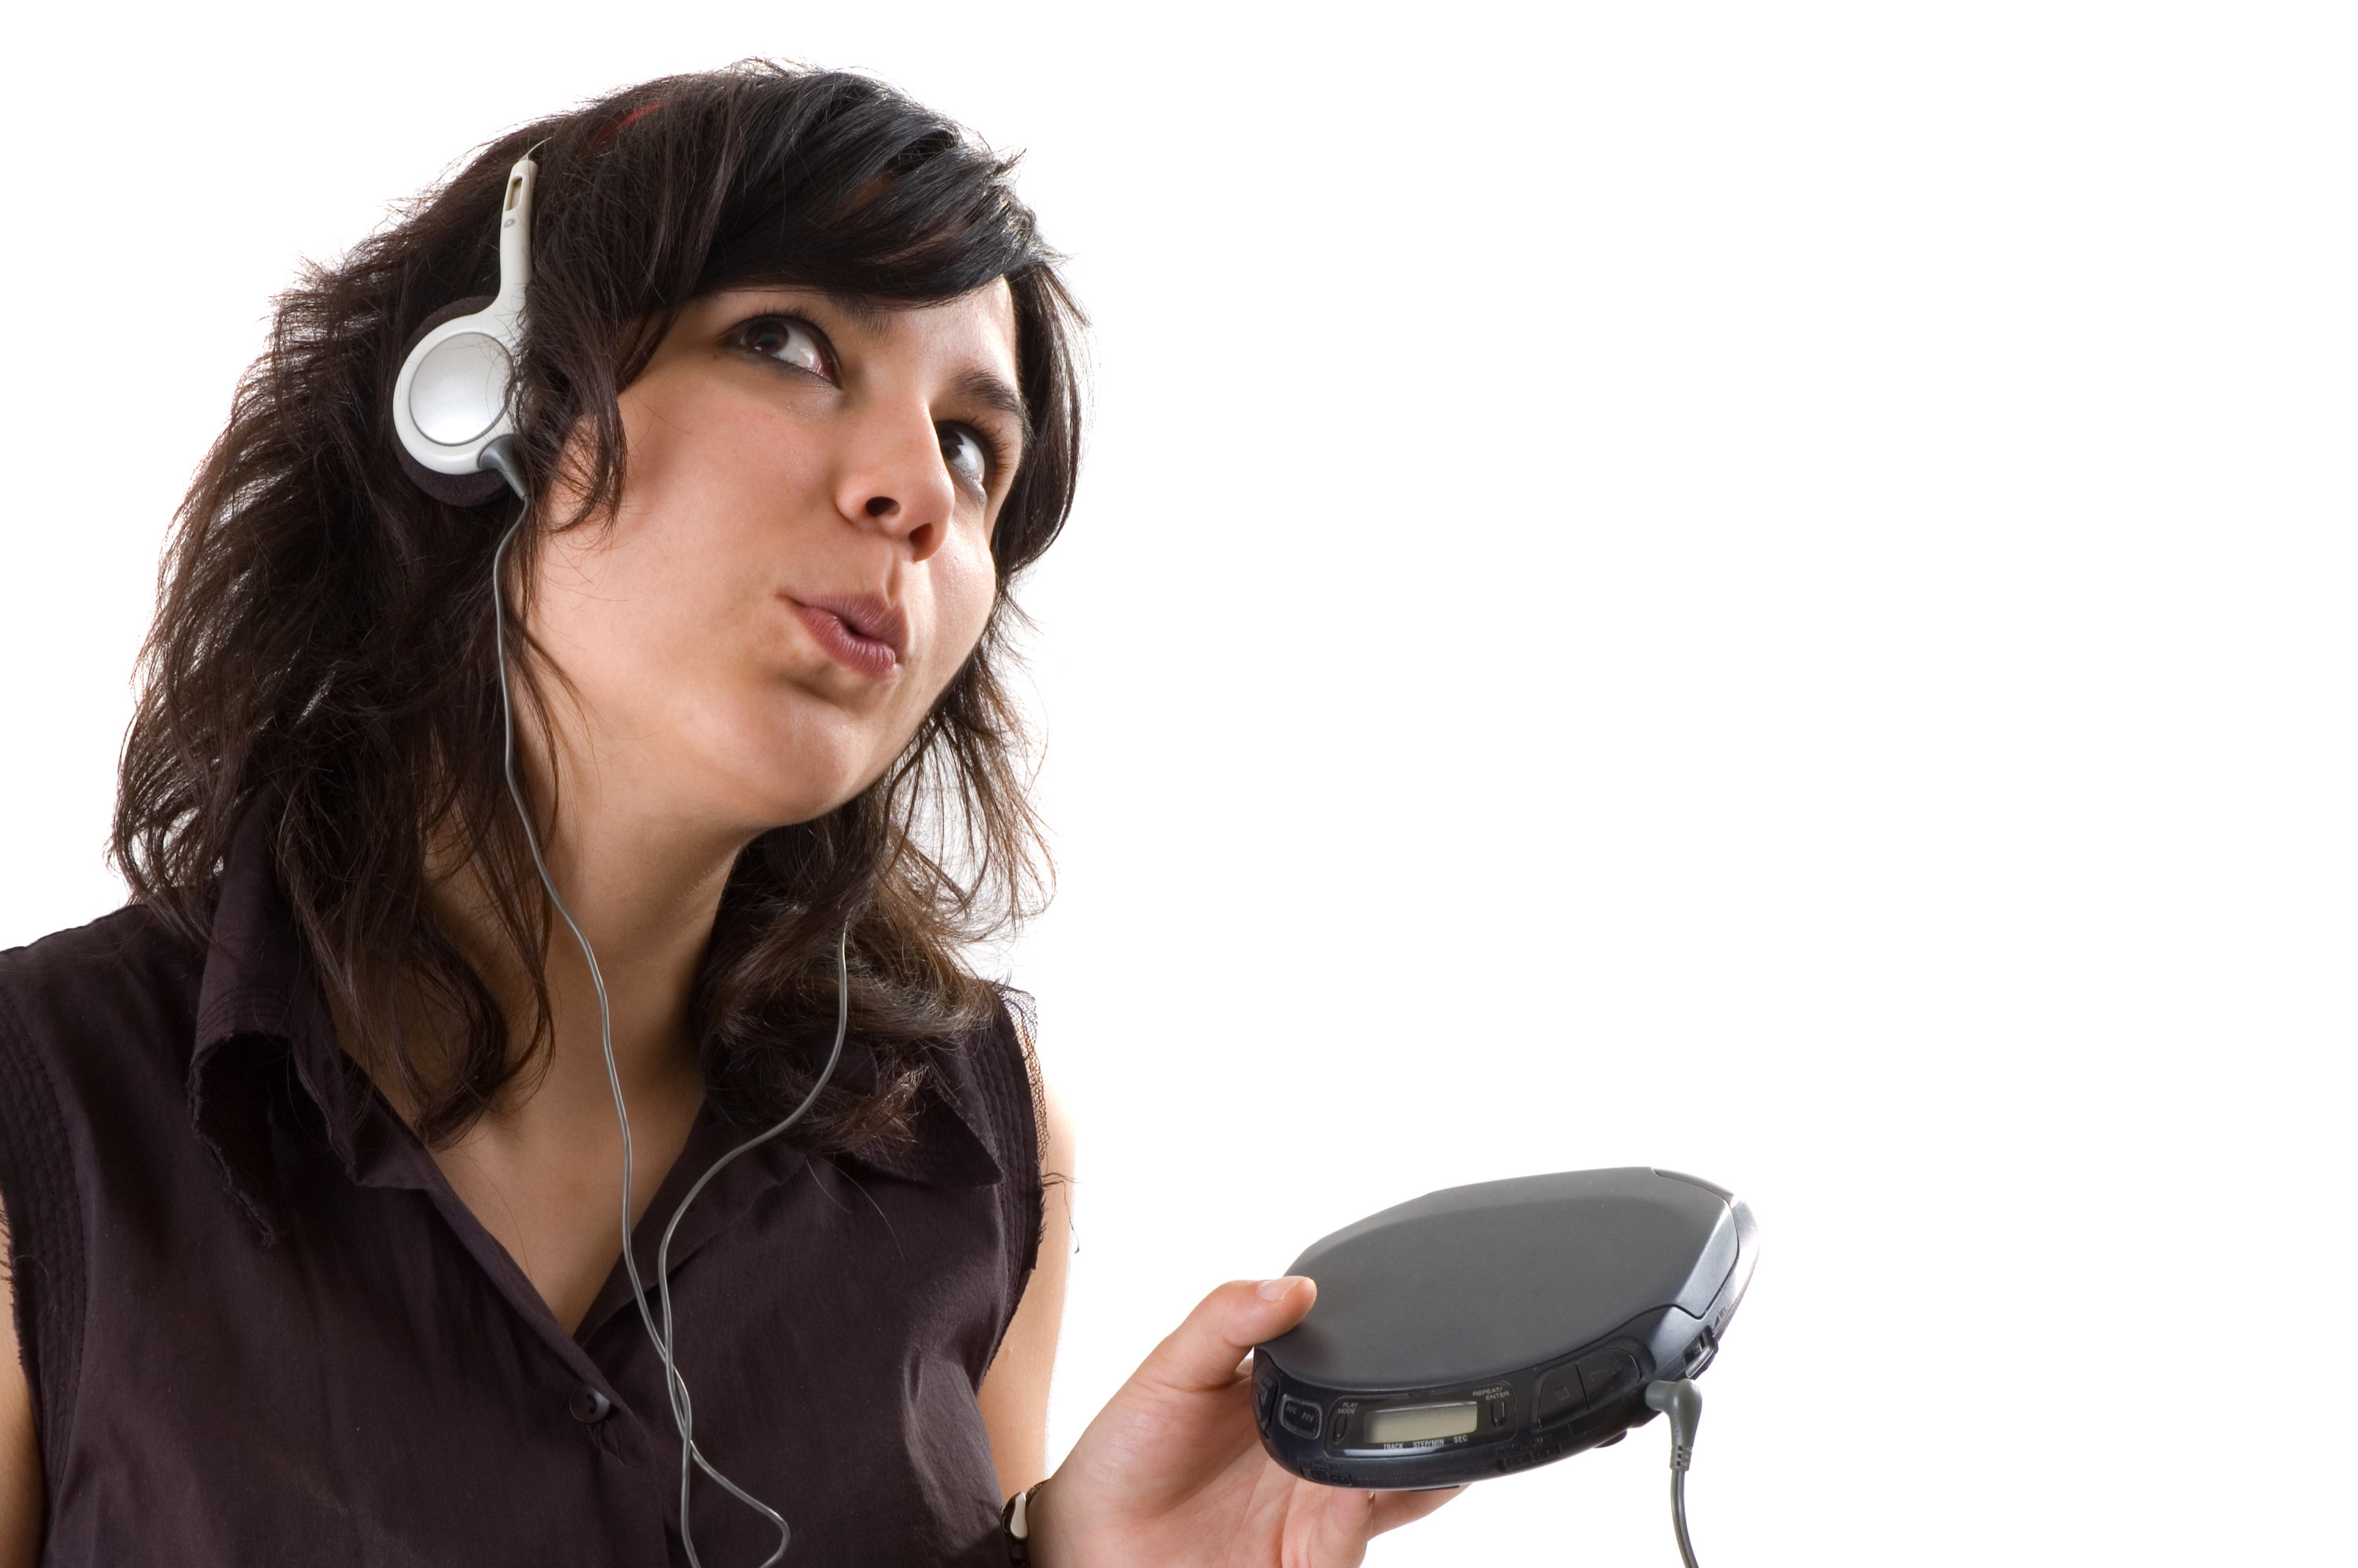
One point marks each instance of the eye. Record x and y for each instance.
(965, 456)
(787, 340)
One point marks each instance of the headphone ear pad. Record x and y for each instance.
(452, 489)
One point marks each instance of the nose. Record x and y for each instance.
(896, 483)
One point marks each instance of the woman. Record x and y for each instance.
(311, 1157)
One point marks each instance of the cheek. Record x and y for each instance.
(965, 587)
(700, 450)
(643, 606)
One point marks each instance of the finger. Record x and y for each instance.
(1349, 1518)
(1204, 1353)
(1393, 1509)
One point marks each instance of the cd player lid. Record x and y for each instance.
(1471, 1282)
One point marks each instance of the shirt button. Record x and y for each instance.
(589, 1405)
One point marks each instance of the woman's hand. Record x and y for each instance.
(1172, 1472)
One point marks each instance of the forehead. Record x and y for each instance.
(977, 325)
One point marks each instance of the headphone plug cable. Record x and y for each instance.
(1681, 1401)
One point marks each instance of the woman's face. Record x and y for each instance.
(800, 560)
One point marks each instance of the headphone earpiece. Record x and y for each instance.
(455, 394)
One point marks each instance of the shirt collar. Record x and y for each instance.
(268, 1076)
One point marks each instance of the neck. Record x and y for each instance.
(644, 887)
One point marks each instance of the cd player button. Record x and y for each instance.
(1498, 1412)
(1299, 1417)
(1608, 1376)
(1559, 1393)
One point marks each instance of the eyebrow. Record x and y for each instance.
(981, 386)
(992, 392)
(866, 313)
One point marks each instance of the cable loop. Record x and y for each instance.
(683, 1411)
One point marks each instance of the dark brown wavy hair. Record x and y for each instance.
(323, 643)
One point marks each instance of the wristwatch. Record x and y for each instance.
(1017, 1520)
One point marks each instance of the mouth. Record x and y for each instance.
(863, 633)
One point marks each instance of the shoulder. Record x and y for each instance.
(101, 996)
(96, 1026)
(1052, 1123)
(993, 1077)
(97, 1032)
(1021, 1010)
(113, 963)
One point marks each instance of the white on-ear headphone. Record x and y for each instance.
(452, 398)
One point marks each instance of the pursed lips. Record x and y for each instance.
(865, 634)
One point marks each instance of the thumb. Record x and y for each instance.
(1201, 1355)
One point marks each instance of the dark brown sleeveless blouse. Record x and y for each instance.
(253, 1339)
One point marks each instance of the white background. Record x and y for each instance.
(1759, 588)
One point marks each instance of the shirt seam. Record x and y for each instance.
(1022, 1202)
(44, 1206)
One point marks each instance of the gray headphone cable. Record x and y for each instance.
(1682, 1401)
(682, 1413)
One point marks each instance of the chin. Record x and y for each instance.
(804, 797)
(776, 775)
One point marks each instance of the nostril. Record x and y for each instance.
(882, 507)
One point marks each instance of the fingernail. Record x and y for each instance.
(1273, 1289)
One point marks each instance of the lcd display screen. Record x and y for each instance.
(1421, 1423)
